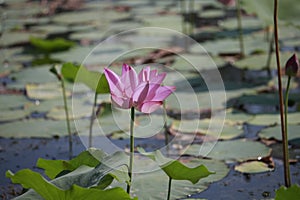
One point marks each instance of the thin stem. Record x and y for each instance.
(169, 188)
(182, 10)
(191, 14)
(286, 161)
(131, 150)
(281, 105)
(165, 124)
(240, 28)
(271, 50)
(67, 119)
(93, 117)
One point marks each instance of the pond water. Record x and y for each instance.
(221, 99)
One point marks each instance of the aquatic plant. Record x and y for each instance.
(142, 91)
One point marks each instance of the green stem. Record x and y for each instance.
(240, 28)
(169, 188)
(182, 8)
(191, 13)
(165, 124)
(93, 117)
(131, 150)
(67, 119)
(271, 50)
(284, 135)
(286, 150)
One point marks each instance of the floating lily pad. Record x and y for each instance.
(195, 102)
(12, 38)
(14, 56)
(147, 39)
(212, 14)
(272, 119)
(257, 99)
(144, 11)
(286, 13)
(232, 46)
(110, 122)
(214, 129)
(91, 35)
(171, 22)
(275, 132)
(8, 68)
(12, 101)
(256, 62)
(253, 167)
(247, 22)
(44, 91)
(287, 32)
(88, 17)
(32, 75)
(34, 128)
(50, 29)
(9, 115)
(104, 53)
(146, 126)
(237, 117)
(83, 17)
(204, 62)
(58, 113)
(123, 26)
(235, 150)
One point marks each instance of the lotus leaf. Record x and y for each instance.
(234, 150)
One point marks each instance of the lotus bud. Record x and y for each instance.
(292, 65)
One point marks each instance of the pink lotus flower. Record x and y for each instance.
(143, 91)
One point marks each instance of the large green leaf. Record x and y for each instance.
(154, 184)
(235, 150)
(291, 193)
(69, 71)
(53, 45)
(54, 167)
(95, 80)
(76, 173)
(176, 170)
(49, 191)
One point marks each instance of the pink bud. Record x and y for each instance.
(292, 65)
